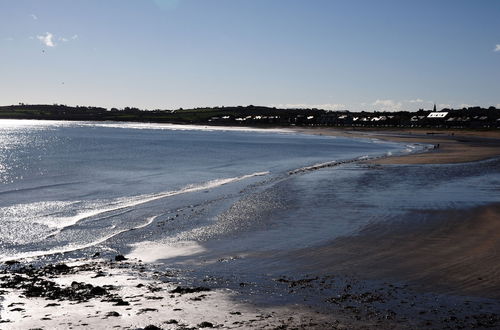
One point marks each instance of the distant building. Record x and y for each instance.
(435, 114)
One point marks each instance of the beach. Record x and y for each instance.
(452, 146)
(454, 250)
(433, 268)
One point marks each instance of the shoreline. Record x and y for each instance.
(454, 146)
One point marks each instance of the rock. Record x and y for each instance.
(52, 305)
(145, 310)
(98, 291)
(152, 327)
(119, 302)
(205, 324)
(113, 313)
(120, 257)
(184, 290)
(99, 274)
(301, 282)
(11, 262)
(17, 309)
(15, 304)
(57, 269)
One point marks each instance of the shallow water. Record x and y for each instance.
(220, 206)
(201, 195)
(313, 209)
(66, 186)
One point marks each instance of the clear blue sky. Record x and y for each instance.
(350, 54)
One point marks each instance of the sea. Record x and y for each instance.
(179, 192)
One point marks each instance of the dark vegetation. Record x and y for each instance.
(472, 117)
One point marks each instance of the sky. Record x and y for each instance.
(384, 55)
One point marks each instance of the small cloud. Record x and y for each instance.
(444, 106)
(47, 39)
(34, 17)
(388, 105)
(416, 101)
(9, 39)
(64, 39)
(325, 106)
(497, 48)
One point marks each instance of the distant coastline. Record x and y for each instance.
(262, 116)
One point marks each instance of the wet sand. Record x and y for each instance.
(451, 251)
(454, 146)
(455, 250)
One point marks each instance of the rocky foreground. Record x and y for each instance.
(124, 294)
(127, 294)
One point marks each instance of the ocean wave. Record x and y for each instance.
(180, 127)
(74, 247)
(63, 223)
(143, 199)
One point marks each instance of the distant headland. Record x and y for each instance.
(472, 117)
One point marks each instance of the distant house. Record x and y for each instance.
(417, 118)
(438, 115)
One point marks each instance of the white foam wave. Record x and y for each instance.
(73, 247)
(179, 127)
(139, 200)
(16, 124)
(71, 221)
(326, 164)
